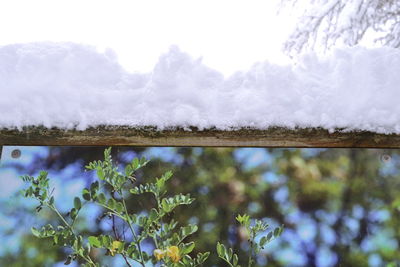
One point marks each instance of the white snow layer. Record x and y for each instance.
(68, 86)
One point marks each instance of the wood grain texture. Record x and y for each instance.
(125, 136)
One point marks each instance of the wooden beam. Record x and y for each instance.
(125, 136)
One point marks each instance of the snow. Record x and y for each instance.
(69, 85)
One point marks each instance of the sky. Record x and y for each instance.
(229, 35)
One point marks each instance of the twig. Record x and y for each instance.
(114, 229)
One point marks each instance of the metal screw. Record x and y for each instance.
(385, 158)
(16, 153)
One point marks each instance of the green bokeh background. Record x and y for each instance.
(340, 207)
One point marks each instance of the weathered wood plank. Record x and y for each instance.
(125, 136)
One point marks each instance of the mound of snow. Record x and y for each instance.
(68, 85)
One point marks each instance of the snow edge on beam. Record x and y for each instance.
(150, 136)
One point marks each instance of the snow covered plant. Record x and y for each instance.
(154, 228)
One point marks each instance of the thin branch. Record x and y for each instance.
(128, 219)
(114, 229)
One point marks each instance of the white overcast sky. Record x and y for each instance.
(229, 35)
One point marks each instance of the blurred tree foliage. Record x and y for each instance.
(339, 206)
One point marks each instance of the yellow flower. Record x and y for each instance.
(116, 247)
(173, 253)
(159, 254)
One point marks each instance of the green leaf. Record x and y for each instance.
(107, 153)
(202, 257)
(269, 236)
(135, 163)
(134, 191)
(190, 229)
(77, 203)
(93, 188)
(73, 213)
(161, 181)
(119, 207)
(221, 250)
(263, 241)
(128, 170)
(243, 219)
(166, 206)
(94, 241)
(145, 188)
(153, 215)
(111, 203)
(145, 256)
(44, 195)
(106, 241)
(138, 163)
(187, 248)
(51, 201)
(101, 198)
(278, 231)
(55, 239)
(235, 259)
(86, 194)
(226, 254)
(131, 250)
(35, 232)
(100, 173)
